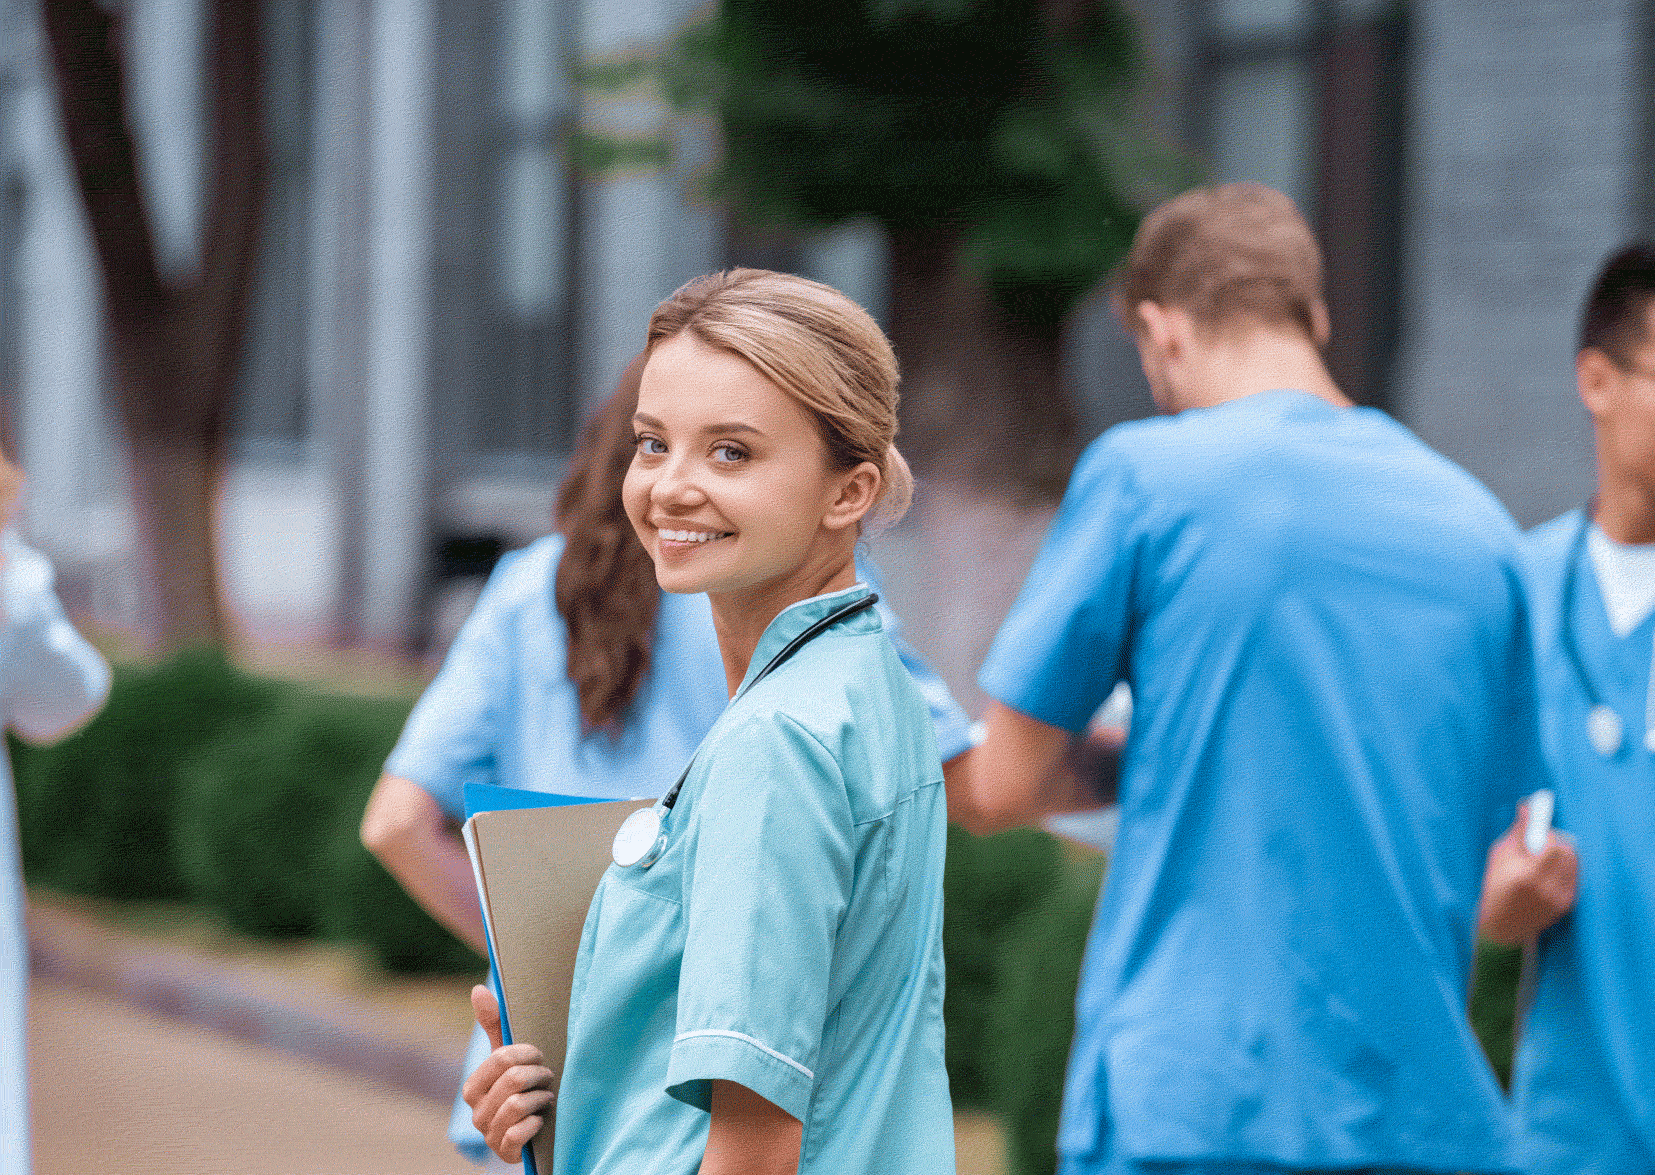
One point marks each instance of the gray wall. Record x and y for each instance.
(1526, 159)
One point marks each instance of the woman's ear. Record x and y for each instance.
(857, 493)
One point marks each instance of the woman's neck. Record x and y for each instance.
(740, 617)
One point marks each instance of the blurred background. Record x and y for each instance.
(302, 303)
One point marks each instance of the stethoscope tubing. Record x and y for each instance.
(1604, 727)
(644, 832)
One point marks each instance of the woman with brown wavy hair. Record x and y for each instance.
(574, 674)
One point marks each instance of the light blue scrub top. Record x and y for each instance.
(1584, 1077)
(790, 936)
(1323, 627)
(51, 681)
(503, 711)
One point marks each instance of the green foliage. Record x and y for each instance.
(258, 815)
(372, 909)
(1034, 1017)
(1494, 1003)
(199, 782)
(95, 811)
(988, 883)
(984, 117)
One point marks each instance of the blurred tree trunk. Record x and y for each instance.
(174, 343)
(982, 395)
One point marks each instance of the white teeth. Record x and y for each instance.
(688, 536)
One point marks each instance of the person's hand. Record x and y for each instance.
(1524, 892)
(510, 1092)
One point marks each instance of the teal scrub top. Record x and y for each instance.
(1584, 1079)
(1324, 628)
(788, 938)
(503, 711)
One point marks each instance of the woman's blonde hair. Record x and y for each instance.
(816, 345)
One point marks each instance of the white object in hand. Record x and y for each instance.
(1541, 806)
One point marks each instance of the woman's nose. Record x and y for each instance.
(676, 484)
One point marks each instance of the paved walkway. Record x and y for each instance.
(164, 1053)
(117, 1088)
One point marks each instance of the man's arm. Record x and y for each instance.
(419, 846)
(1524, 892)
(1018, 774)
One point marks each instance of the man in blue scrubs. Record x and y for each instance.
(1585, 1069)
(1323, 627)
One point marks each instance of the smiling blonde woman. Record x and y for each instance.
(764, 992)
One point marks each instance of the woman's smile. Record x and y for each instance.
(691, 537)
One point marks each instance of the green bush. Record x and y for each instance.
(256, 825)
(368, 906)
(1494, 1003)
(1034, 1016)
(987, 884)
(96, 811)
(199, 782)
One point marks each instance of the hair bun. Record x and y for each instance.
(895, 496)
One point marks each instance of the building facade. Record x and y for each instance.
(476, 203)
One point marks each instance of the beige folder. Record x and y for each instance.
(537, 869)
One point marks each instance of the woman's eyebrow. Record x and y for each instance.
(733, 426)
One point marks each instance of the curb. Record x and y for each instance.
(240, 1001)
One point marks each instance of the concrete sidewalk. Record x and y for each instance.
(341, 1059)
(288, 1010)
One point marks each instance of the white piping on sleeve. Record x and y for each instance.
(758, 1044)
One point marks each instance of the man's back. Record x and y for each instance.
(1323, 627)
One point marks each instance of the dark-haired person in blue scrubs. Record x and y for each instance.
(1584, 1077)
(1323, 626)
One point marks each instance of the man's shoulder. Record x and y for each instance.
(1545, 552)
(1550, 540)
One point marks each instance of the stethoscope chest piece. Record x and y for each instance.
(642, 836)
(1605, 730)
(639, 840)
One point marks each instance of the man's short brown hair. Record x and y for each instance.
(1227, 256)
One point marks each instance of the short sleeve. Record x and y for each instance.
(54, 680)
(1063, 648)
(769, 881)
(453, 734)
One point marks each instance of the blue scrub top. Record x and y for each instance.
(1324, 631)
(1584, 1077)
(790, 936)
(503, 711)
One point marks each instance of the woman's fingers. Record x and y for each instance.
(518, 1120)
(487, 1011)
(496, 1065)
(519, 1090)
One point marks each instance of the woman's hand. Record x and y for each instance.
(1524, 892)
(511, 1092)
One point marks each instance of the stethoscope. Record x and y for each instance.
(642, 837)
(1604, 728)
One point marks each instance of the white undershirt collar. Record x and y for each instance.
(1626, 579)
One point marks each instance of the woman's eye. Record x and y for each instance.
(650, 446)
(728, 453)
